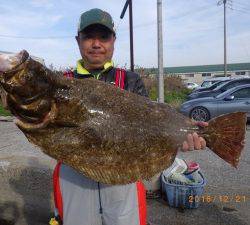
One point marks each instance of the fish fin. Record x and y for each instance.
(225, 136)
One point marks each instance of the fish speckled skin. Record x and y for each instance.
(110, 135)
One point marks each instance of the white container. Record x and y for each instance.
(178, 166)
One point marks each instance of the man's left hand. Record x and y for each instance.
(194, 142)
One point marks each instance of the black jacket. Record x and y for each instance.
(133, 81)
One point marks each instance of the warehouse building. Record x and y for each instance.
(198, 73)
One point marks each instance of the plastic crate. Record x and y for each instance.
(183, 196)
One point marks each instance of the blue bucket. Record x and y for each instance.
(183, 196)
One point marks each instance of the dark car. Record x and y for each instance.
(213, 86)
(210, 81)
(236, 99)
(220, 89)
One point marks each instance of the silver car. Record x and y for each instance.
(236, 99)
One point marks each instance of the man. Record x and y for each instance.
(78, 199)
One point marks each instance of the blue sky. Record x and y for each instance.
(192, 30)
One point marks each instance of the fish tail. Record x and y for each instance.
(225, 136)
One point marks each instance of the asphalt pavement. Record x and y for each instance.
(25, 187)
(226, 197)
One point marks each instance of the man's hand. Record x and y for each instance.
(194, 142)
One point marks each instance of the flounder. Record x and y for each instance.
(110, 135)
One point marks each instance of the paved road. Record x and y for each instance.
(233, 208)
(25, 178)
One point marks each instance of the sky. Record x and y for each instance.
(192, 30)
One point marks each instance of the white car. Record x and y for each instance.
(191, 85)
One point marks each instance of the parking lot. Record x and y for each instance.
(224, 96)
(25, 191)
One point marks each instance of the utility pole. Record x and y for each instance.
(225, 39)
(129, 3)
(224, 2)
(160, 53)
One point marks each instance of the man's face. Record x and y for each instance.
(96, 44)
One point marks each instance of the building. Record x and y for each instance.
(198, 73)
(40, 60)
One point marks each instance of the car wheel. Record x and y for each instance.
(200, 114)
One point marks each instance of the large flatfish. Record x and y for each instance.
(110, 135)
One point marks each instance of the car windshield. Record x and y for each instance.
(219, 95)
(214, 85)
(221, 85)
(222, 95)
(206, 84)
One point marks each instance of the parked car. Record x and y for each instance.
(220, 89)
(232, 100)
(209, 81)
(213, 86)
(191, 85)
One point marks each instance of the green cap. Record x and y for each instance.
(96, 16)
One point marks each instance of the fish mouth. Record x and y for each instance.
(24, 102)
(42, 123)
(33, 116)
(10, 62)
(29, 103)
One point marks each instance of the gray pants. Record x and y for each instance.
(84, 203)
